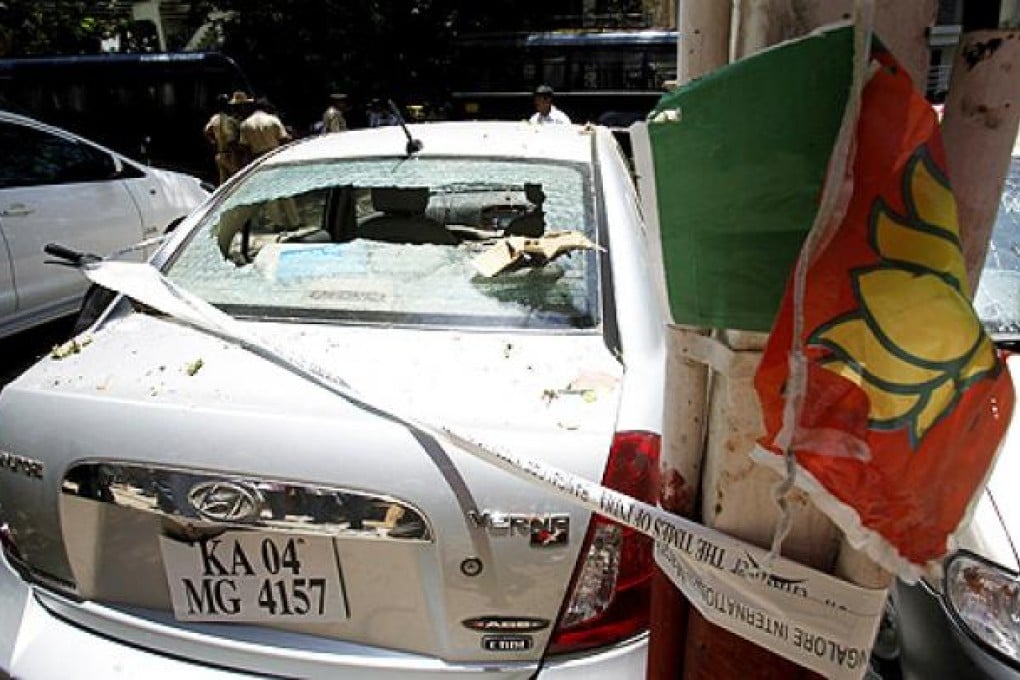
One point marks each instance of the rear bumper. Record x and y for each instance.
(626, 660)
(43, 636)
(44, 647)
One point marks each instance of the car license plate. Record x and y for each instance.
(254, 577)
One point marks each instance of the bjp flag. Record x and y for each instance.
(905, 399)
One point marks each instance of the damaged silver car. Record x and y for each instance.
(175, 500)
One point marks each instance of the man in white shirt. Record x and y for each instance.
(545, 112)
(222, 132)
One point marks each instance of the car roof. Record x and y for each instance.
(482, 139)
(17, 118)
(12, 117)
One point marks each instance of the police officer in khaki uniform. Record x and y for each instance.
(333, 119)
(223, 132)
(261, 132)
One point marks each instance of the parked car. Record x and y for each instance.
(172, 502)
(56, 186)
(968, 624)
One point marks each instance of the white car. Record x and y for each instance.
(55, 186)
(175, 504)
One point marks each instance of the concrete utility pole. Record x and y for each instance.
(737, 500)
(737, 494)
(703, 42)
(902, 26)
(980, 122)
(703, 28)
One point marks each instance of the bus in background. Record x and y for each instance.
(149, 107)
(611, 77)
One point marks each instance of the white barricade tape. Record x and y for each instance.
(814, 619)
(704, 349)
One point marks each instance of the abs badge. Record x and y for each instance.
(506, 624)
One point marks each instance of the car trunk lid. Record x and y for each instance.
(207, 411)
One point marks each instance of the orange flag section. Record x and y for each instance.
(906, 397)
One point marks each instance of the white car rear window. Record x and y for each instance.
(395, 240)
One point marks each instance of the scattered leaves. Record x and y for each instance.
(588, 396)
(194, 367)
(72, 346)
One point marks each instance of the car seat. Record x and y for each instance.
(532, 222)
(401, 218)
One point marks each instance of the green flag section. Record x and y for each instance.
(739, 159)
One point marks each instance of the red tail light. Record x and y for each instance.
(609, 597)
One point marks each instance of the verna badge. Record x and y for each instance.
(226, 502)
(22, 465)
(544, 531)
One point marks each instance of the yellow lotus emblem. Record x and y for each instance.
(913, 344)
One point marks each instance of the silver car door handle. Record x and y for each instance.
(16, 210)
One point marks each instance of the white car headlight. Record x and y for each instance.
(985, 600)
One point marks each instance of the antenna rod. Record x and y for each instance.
(413, 145)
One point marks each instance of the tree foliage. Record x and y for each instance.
(40, 27)
(298, 51)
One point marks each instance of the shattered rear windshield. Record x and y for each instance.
(437, 241)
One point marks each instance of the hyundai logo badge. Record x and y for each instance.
(226, 502)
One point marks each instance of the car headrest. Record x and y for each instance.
(407, 201)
